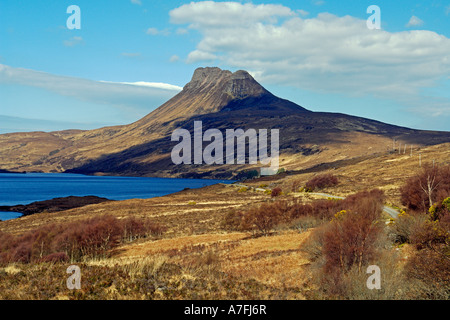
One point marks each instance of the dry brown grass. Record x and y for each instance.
(386, 172)
(274, 260)
(176, 244)
(197, 253)
(175, 211)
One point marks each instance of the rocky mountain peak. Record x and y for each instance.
(242, 85)
(204, 77)
(237, 85)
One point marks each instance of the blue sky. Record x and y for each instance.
(130, 56)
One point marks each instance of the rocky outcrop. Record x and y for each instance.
(54, 205)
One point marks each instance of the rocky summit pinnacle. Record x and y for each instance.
(242, 85)
(237, 85)
(205, 76)
(212, 90)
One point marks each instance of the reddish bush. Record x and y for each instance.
(55, 257)
(367, 203)
(349, 241)
(297, 209)
(440, 210)
(321, 181)
(93, 237)
(351, 237)
(233, 221)
(276, 192)
(430, 235)
(153, 229)
(265, 217)
(132, 229)
(431, 272)
(431, 185)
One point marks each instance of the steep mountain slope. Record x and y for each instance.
(222, 100)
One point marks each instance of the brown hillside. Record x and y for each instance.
(220, 99)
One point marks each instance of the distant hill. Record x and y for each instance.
(222, 100)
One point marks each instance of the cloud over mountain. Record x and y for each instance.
(326, 53)
(132, 94)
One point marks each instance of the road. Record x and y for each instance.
(390, 211)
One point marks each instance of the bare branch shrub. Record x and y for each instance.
(321, 181)
(431, 185)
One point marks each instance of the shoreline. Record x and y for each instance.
(10, 213)
(62, 203)
(53, 205)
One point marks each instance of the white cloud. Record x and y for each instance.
(140, 95)
(447, 10)
(226, 14)
(155, 85)
(174, 58)
(414, 22)
(73, 41)
(326, 53)
(201, 56)
(138, 2)
(131, 54)
(155, 32)
(318, 2)
(20, 124)
(303, 12)
(152, 31)
(182, 31)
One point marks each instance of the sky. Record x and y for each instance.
(129, 56)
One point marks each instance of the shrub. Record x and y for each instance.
(93, 237)
(89, 238)
(304, 223)
(267, 216)
(430, 272)
(313, 246)
(321, 181)
(431, 185)
(403, 227)
(55, 257)
(21, 252)
(430, 235)
(232, 221)
(276, 192)
(440, 210)
(350, 240)
(263, 218)
(295, 186)
(133, 228)
(252, 174)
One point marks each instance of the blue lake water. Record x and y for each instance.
(9, 215)
(26, 188)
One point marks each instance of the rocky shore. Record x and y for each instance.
(54, 205)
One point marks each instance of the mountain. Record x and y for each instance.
(222, 100)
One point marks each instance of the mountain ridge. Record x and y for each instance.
(220, 99)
